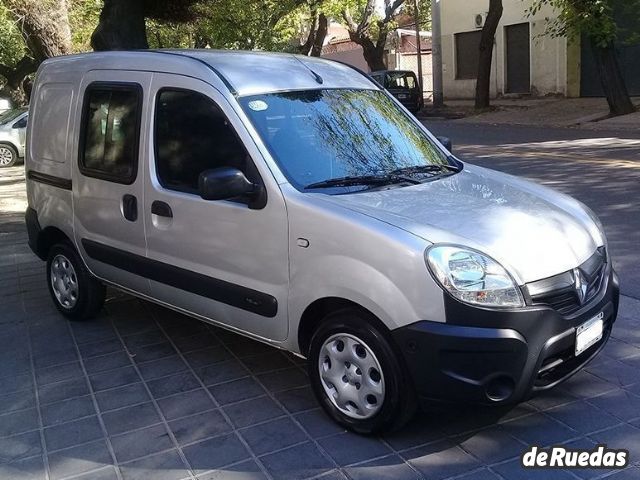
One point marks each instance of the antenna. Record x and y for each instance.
(316, 77)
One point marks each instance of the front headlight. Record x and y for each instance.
(473, 277)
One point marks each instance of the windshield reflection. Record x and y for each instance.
(319, 135)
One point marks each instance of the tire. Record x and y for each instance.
(8, 156)
(365, 349)
(74, 291)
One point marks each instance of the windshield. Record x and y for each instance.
(6, 117)
(320, 135)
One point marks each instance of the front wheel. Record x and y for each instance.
(8, 156)
(357, 376)
(75, 292)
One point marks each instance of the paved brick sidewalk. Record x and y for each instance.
(541, 112)
(145, 393)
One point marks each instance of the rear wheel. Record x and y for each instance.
(76, 293)
(357, 376)
(8, 156)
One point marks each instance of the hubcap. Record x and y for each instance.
(5, 156)
(64, 281)
(351, 376)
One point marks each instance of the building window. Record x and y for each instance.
(111, 125)
(467, 52)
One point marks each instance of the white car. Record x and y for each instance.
(13, 131)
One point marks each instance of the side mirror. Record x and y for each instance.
(225, 183)
(446, 142)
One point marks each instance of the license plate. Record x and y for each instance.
(403, 96)
(589, 333)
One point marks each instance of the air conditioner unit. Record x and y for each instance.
(479, 19)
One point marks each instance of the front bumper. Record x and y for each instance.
(497, 356)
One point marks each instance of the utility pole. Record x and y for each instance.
(436, 54)
(418, 46)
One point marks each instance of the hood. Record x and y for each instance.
(533, 231)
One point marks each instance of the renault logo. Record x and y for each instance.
(580, 284)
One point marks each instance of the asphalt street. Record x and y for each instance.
(599, 168)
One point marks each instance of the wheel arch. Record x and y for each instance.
(316, 311)
(9, 144)
(47, 238)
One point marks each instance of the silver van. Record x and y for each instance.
(292, 200)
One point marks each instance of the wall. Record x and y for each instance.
(409, 61)
(347, 52)
(548, 55)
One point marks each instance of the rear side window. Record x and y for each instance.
(22, 123)
(192, 135)
(111, 130)
(401, 80)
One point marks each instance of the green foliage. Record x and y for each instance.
(83, 18)
(12, 47)
(254, 24)
(594, 18)
(239, 24)
(424, 9)
(170, 35)
(334, 8)
(234, 24)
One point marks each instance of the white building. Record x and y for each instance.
(525, 60)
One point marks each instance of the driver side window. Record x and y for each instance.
(192, 135)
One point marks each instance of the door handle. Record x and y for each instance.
(161, 209)
(130, 207)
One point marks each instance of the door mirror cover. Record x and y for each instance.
(225, 183)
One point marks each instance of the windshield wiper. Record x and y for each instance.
(433, 168)
(377, 180)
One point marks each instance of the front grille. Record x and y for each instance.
(568, 292)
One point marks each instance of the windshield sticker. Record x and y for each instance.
(258, 105)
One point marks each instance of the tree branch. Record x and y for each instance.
(321, 34)
(16, 75)
(365, 22)
(306, 46)
(390, 9)
(348, 20)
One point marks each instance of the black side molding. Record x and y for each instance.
(58, 182)
(213, 288)
(33, 231)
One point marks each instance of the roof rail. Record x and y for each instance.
(210, 67)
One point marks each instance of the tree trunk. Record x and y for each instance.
(320, 35)
(44, 25)
(121, 26)
(45, 29)
(372, 51)
(612, 80)
(483, 84)
(373, 54)
(317, 33)
(305, 48)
